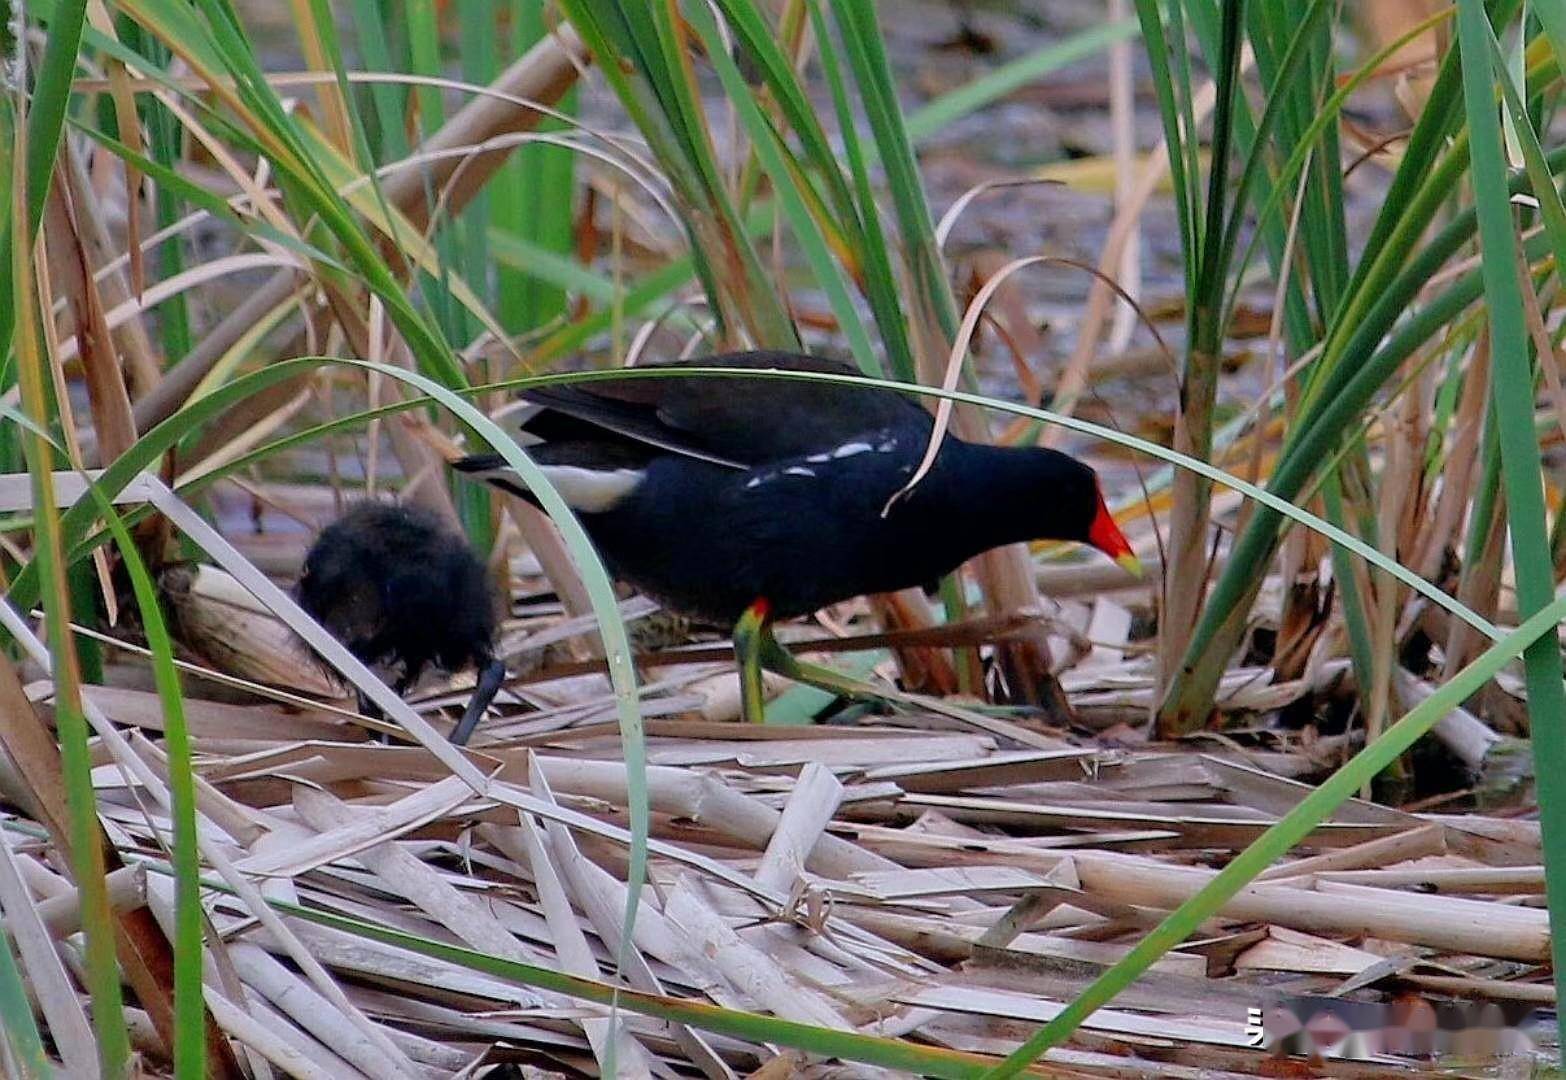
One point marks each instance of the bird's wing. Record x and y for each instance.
(734, 421)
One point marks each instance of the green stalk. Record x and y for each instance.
(1007, 78)
(800, 202)
(164, 136)
(1191, 495)
(45, 120)
(880, 279)
(1383, 337)
(1512, 390)
(657, 88)
(533, 202)
(1182, 174)
(866, 52)
(425, 54)
(388, 100)
(190, 1016)
(103, 979)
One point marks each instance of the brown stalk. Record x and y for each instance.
(925, 669)
(1479, 580)
(1461, 471)
(414, 454)
(1479, 587)
(338, 126)
(1185, 576)
(1388, 20)
(73, 273)
(137, 353)
(1400, 492)
(543, 74)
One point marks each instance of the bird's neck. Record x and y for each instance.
(985, 494)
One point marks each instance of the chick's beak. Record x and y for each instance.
(1105, 535)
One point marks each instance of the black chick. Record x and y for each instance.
(402, 591)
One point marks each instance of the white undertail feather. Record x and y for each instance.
(587, 491)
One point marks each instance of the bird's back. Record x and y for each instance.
(741, 420)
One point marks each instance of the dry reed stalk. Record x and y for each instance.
(144, 953)
(1461, 472)
(213, 854)
(755, 975)
(1483, 989)
(811, 806)
(1460, 880)
(61, 912)
(1400, 847)
(87, 210)
(1438, 922)
(602, 898)
(573, 954)
(46, 976)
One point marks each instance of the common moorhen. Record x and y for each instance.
(403, 592)
(740, 500)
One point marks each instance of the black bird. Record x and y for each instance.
(740, 500)
(403, 592)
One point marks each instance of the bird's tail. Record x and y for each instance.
(585, 489)
(493, 470)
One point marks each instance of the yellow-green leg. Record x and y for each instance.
(751, 633)
(756, 649)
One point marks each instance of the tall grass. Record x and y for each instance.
(1462, 264)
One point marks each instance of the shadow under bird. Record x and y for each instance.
(404, 593)
(738, 500)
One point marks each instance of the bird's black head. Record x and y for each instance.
(1033, 493)
(395, 585)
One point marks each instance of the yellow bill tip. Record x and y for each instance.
(1130, 564)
